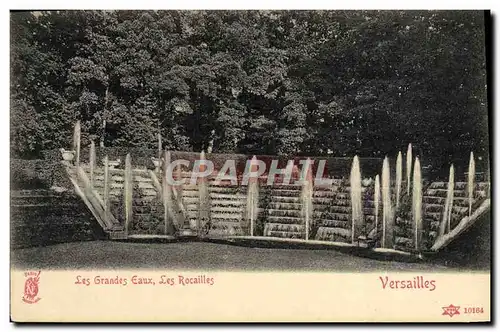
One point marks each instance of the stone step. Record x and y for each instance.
(436, 216)
(320, 207)
(31, 193)
(433, 208)
(225, 223)
(190, 199)
(438, 185)
(226, 209)
(235, 197)
(225, 219)
(333, 234)
(460, 209)
(190, 193)
(226, 190)
(191, 207)
(275, 196)
(284, 213)
(337, 216)
(339, 209)
(343, 196)
(322, 201)
(284, 220)
(270, 227)
(368, 211)
(285, 205)
(278, 199)
(289, 235)
(323, 194)
(335, 223)
(234, 203)
(148, 192)
(433, 200)
(443, 193)
(225, 229)
(341, 202)
(228, 216)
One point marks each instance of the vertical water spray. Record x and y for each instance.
(387, 220)
(409, 161)
(253, 196)
(106, 186)
(167, 190)
(417, 203)
(399, 178)
(92, 162)
(470, 181)
(356, 203)
(306, 198)
(128, 187)
(448, 207)
(76, 142)
(376, 197)
(204, 197)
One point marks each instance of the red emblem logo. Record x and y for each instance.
(451, 310)
(31, 287)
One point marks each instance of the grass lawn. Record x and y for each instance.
(201, 256)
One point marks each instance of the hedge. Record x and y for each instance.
(37, 174)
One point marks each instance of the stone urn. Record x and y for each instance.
(67, 155)
(157, 162)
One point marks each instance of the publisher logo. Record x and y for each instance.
(451, 310)
(31, 287)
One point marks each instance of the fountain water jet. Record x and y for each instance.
(167, 189)
(387, 216)
(377, 200)
(253, 196)
(356, 202)
(204, 198)
(306, 197)
(92, 162)
(399, 177)
(448, 207)
(470, 181)
(417, 203)
(76, 142)
(409, 161)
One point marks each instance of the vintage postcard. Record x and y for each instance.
(250, 166)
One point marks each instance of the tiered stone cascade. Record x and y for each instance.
(433, 208)
(283, 211)
(336, 216)
(335, 223)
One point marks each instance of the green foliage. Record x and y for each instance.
(253, 82)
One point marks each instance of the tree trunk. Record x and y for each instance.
(104, 115)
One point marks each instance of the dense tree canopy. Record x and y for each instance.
(267, 82)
